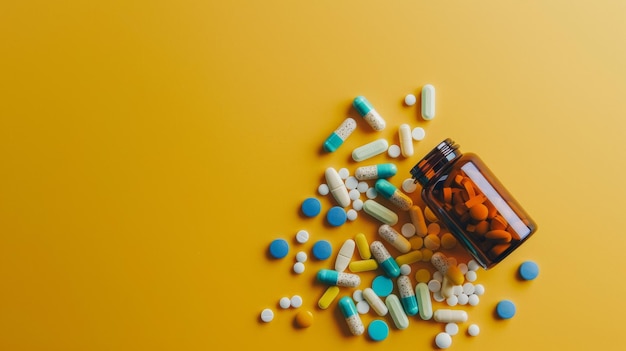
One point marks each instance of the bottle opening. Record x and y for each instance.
(434, 161)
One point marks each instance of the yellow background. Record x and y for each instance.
(151, 150)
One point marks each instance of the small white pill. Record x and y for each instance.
(357, 204)
(479, 289)
(344, 173)
(323, 189)
(418, 133)
(410, 99)
(362, 187)
(371, 193)
(457, 290)
(267, 315)
(452, 328)
(463, 268)
(351, 182)
(438, 297)
(298, 267)
(357, 295)
(474, 300)
(468, 288)
(354, 194)
(301, 256)
(434, 285)
(284, 302)
(452, 300)
(408, 230)
(472, 265)
(394, 151)
(352, 215)
(409, 186)
(443, 340)
(463, 299)
(405, 269)
(296, 301)
(362, 307)
(302, 236)
(473, 330)
(471, 276)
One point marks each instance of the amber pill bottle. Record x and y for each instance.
(467, 197)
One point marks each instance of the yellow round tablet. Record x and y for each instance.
(304, 319)
(429, 215)
(432, 242)
(422, 275)
(416, 242)
(448, 241)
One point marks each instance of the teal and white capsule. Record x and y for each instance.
(407, 295)
(334, 141)
(390, 192)
(383, 170)
(331, 277)
(367, 111)
(348, 309)
(384, 259)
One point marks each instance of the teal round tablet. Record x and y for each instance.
(311, 207)
(378, 330)
(382, 286)
(279, 248)
(322, 250)
(336, 216)
(528, 270)
(505, 309)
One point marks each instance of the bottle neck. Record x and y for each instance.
(436, 160)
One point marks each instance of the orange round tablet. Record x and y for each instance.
(304, 319)
(479, 212)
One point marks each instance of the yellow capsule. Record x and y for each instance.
(363, 246)
(363, 265)
(328, 297)
(417, 217)
(408, 258)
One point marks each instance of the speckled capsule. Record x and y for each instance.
(331, 277)
(369, 114)
(407, 295)
(349, 311)
(394, 238)
(395, 196)
(384, 259)
(383, 170)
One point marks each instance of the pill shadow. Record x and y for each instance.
(341, 320)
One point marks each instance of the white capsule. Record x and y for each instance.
(406, 140)
(337, 187)
(375, 302)
(450, 316)
(428, 102)
(370, 150)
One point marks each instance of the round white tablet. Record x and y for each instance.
(357, 205)
(362, 187)
(362, 307)
(443, 340)
(410, 99)
(323, 189)
(394, 151)
(473, 330)
(405, 269)
(472, 265)
(354, 194)
(302, 236)
(474, 300)
(267, 315)
(418, 133)
(371, 193)
(301, 256)
(471, 276)
(298, 267)
(352, 215)
(352, 183)
(409, 186)
(408, 230)
(463, 299)
(452, 328)
(479, 289)
(344, 173)
(357, 295)
(296, 301)
(284, 302)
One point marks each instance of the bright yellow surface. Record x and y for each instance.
(151, 150)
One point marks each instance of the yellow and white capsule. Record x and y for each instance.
(394, 238)
(375, 302)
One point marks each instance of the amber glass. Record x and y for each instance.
(468, 198)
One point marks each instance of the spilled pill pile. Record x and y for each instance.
(410, 252)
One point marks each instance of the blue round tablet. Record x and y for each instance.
(505, 309)
(322, 250)
(378, 330)
(528, 270)
(311, 207)
(382, 285)
(279, 248)
(336, 216)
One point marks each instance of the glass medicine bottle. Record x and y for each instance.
(463, 193)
